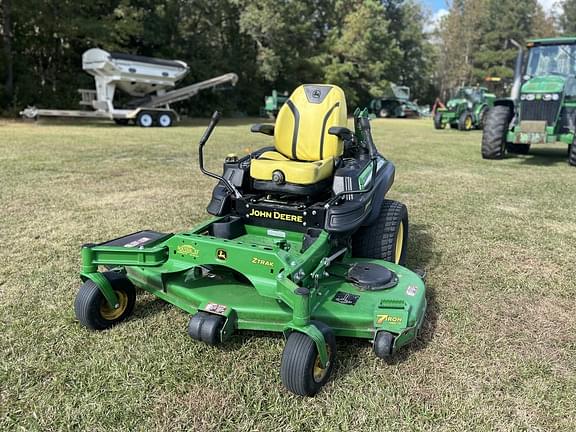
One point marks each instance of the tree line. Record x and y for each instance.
(361, 45)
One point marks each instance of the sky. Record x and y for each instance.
(440, 7)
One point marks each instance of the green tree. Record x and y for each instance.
(568, 17)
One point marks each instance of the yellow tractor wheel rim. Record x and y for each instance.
(109, 313)
(399, 243)
(320, 372)
(468, 122)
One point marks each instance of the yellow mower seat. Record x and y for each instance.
(305, 152)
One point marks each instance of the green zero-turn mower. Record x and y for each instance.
(542, 104)
(465, 111)
(302, 242)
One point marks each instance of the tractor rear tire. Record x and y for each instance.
(465, 121)
(522, 149)
(494, 134)
(92, 309)
(300, 369)
(438, 121)
(385, 239)
(572, 154)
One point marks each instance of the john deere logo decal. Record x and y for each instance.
(316, 93)
(221, 254)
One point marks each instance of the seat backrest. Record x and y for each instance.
(301, 130)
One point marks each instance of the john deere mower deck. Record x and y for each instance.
(302, 242)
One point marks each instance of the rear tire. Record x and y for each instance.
(572, 154)
(494, 134)
(518, 148)
(383, 113)
(387, 237)
(465, 121)
(438, 121)
(300, 369)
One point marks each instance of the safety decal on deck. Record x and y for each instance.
(137, 242)
(215, 308)
(412, 290)
(345, 298)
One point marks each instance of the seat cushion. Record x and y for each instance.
(295, 172)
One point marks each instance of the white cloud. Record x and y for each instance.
(550, 6)
(435, 20)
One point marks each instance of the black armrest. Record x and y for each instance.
(266, 129)
(340, 132)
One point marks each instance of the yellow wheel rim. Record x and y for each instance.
(468, 122)
(319, 372)
(111, 314)
(399, 243)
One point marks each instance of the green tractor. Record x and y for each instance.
(272, 104)
(465, 111)
(542, 105)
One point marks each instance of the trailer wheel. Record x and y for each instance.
(165, 119)
(386, 238)
(572, 154)
(92, 309)
(300, 369)
(145, 119)
(494, 133)
(438, 121)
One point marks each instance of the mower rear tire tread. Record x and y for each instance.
(378, 241)
(494, 133)
(299, 359)
(90, 302)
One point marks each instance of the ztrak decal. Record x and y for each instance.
(221, 254)
(263, 262)
(381, 319)
(276, 215)
(187, 250)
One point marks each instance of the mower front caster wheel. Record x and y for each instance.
(206, 327)
(383, 345)
(301, 369)
(92, 309)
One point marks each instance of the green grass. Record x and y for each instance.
(497, 238)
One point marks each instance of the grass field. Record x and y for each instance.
(498, 240)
